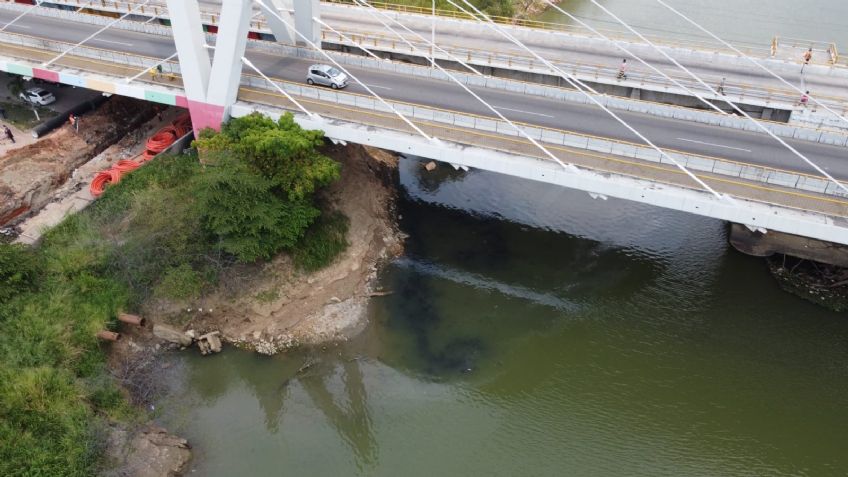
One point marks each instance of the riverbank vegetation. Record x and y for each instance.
(497, 8)
(167, 230)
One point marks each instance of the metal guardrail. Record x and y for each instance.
(708, 45)
(593, 72)
(790, 179)
(782, 98)
(820, 128)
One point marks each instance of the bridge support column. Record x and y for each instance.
(767, 244)
(305, 12)
(284, 8)
(194, 59)
(211, 87)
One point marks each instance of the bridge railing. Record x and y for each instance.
(558, 137)
(772, 97)
(739, 92)
(100, 59)
(213, 18)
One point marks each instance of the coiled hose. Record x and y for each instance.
(156, 144)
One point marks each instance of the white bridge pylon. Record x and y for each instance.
(211, 86)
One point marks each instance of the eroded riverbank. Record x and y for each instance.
(535, 328)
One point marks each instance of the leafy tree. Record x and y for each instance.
(256, 196)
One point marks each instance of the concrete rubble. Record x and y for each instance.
(209, 343)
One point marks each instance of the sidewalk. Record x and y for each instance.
(22, 138)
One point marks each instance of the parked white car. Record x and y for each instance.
(327, 76)
(38, 96)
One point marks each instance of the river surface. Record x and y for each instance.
(741, 21)
(534, 331)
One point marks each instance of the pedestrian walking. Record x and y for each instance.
(74, 122)
(622, 70)
(8, 134)
(808, 56)
(721, 86)
(805, 98)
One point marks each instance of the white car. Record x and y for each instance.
(38, 96)
(327, 76)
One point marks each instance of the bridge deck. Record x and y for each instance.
(581, 50)
(605, 163)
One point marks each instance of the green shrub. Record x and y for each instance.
(322, 243)
(180, 282)
(256, 197)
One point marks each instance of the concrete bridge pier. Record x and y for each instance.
(212, 86)
(767, 244)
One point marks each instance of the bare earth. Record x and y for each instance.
(275, 307)
(29, 175)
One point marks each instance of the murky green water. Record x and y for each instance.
(747, 21)
(618, 340)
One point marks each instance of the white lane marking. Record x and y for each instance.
(524, 112)
(21, 26)
(714, 145)
(378, 86)
(113, 42)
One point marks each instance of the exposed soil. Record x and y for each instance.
(29, 175)
(530, 8)
(275, 306)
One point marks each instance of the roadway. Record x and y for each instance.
(568, 49)
(751, 148)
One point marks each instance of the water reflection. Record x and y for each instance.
(619, 340)
(351, 421)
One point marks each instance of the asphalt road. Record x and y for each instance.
(696, 138)
(564, 49)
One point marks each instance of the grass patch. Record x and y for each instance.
(22, 117)
(166, 231)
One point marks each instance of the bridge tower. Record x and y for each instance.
(211, 85)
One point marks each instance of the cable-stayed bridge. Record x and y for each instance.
(785, 175)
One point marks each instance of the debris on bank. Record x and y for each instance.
(825, 285)
(208, 343)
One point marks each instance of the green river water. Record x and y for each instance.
(744, 22)
(535, 331)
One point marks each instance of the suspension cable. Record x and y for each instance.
(731, 103)
(481, 100)
(576, 83)
(639, 59)
(752, 60)
(330, 58)
(109, 25)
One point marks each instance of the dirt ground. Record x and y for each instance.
(30, 174)
(276, 307)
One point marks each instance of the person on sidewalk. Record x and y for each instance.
(808, 56)
(74, 122)
(721, 86)
(804, 99)
(8, 134)
(622, 70)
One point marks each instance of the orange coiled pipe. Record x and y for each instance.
(163, 139)
(183, 125)
(98, 185)
(160, 141)
(126, 165)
